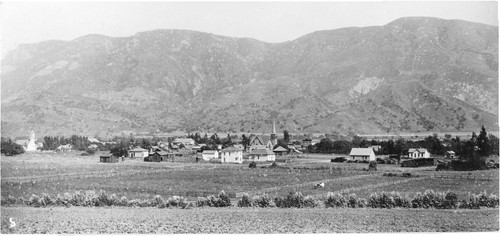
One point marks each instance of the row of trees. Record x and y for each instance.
(484, 144)
(80, 143)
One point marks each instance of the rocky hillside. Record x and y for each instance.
(413, 74)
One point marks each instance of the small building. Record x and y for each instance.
(280, 151)
(376, 148)
(262, 155)
(138, 153)
(362, 154)
(64, 148)
(231, 155)
(210, 154)
(306, 142)
(156, 156)
(184, 141)
(450, 154)
(418, 153)
(109, 158)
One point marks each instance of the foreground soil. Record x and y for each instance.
(58, 220)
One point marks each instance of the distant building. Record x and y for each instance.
(280, 150)
(64, 148)
(262, 155)
(210, 154)
(109, 158)
(138, 153)
(418, 153)
(450, 155)
(232, 155)
(362, 154)
(93, 140)
(184, 141)
(376, 148)
(261, 141)
(157, 156)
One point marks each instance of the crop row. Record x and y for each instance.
(428, 199)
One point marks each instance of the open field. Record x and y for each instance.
(59, 220)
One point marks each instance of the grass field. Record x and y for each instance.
(60, 220)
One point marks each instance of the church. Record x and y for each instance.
(30, 144)
(264, 142)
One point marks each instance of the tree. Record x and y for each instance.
(493, 144)
(10, 148)
(286, 136)
(483, 143)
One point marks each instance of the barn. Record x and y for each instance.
(109, 158)
(362, 154)
(156, 156)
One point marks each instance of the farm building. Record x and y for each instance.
(109, 158)
(64, 148)
(280, 150)
(418, 153)
(157, 156)
(362, 154)
(138, 152)
(450, 154)
(262, 155)
(184, 141)
(209, 154)
(231, 155)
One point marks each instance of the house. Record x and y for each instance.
(64, 148)
(450, 154)
(231, 155)
(156, 156)
(418, 153)
(109, 158)
(280, 150)
(362, 154)
(209, 154)
(93, 140)
(138, 153)
(306, 142)
(184, 141)
(261, 155)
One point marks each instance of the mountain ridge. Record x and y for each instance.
(325, 81)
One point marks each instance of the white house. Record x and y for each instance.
(138, 153)
(261, 155)
(418, 153)
(362, 154)
(184, 141)
(209, 154)
(231, 155)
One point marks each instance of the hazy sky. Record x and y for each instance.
(30, 22)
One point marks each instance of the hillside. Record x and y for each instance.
(413, 74)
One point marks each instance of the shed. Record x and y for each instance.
(109, 158)
(138, 152)
(280, 150)
(362, 154)
(450, 154)
(156, 156)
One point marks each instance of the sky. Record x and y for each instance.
(30, 22)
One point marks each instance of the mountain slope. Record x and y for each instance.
(413, 74)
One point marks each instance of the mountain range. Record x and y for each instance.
(413, 74)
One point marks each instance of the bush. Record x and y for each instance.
(46, 198)
(202, 201)
(352, 201)
(223, 200)
(451, 200)
(252, 165)
(158, 201)
(245, 201)
(291, 200)
(362, 203)
(262, 200)
(274, 165)
(134, 203)
(469, 202)
(406, 174)
(176, 201)
(335, 200)
(383, 200)
(123, 201)
(309, 201)
(372, 166)
(114, 200)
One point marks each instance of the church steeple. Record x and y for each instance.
(274, 137)
(274, 127)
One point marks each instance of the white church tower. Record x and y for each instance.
(31, 144)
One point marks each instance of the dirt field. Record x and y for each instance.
(60, 220)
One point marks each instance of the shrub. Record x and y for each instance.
(291, 200)
(144, 203)
(309, 201)
(123, 201)
(400, 201)
(469, 202)
(21, 201)
(274, 165)
(10, 200)
(245, 201)
(133, 203)
(158, 201)
(202, 201)
(406, 174)
(262, 200)
(33, 199)
(362, 203)
(113, 200)
(223, 200)
(372, 166)
(417, 200)
(451, 200)
(352, 201)
(383, 200)
(252, 165)
(46, 198)
(335, 200)
(176, 201)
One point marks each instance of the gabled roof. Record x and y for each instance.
(262, 152)
(209, 151)
(280, 149)
(412, 150)
(451, 152)
(361, 152)
(138, 150)
(259, 140)
(232, 149)
(106, 155)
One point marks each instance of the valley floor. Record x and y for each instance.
(58, 220)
